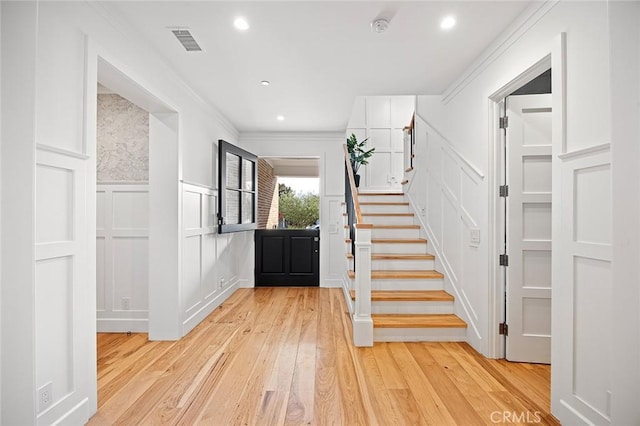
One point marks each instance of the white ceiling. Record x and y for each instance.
(294, 167)
(318, 55)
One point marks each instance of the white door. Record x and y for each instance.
(528, 285)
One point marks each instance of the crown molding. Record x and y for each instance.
(291, 136)
(513, 33)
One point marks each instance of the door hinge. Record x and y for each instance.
(504, 190)
(503, 328)
(504, 260)
(504, 122)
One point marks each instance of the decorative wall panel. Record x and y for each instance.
(122, 257)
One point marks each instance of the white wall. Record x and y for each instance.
(214, 265)
(584, 365)
(443, 191)
(381, 120)
(0, 208)
(52, 70)
(122, 215)
(328, 148)
(624, 23)
(18, 172)
(122, 257)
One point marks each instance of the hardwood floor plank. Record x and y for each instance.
(468, 387)
(458, 406)
(275, 356)
(391, 374)
(327, 399)
(407, 407)
(433, 409)
(300, 407)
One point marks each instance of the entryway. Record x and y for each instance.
(524, 175)
(287, 243)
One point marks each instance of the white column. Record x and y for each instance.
(362, 322)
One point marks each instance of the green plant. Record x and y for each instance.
(357, 154)
(299, 210)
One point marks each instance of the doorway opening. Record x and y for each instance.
(287, 240)
(138, 185)
(122, 214)
(521, 201)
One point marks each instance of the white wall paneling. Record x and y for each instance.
(441, 192)
(381, 119)
(53, 75)
(60, 283)
(208, 272)
(583, 310)
(18, 190)
(122, 257)
(624, 24)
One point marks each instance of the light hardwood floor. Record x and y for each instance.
(273, 356)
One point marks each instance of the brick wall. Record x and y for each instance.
(267, 196)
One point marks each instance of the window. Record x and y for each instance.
(237, 208)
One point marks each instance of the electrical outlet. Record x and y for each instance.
(222, 282)
(126, 303)
(45, 396)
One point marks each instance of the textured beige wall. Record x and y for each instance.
(122, 140)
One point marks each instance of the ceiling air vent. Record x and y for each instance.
(186, 39)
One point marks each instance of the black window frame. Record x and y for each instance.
(225, 147)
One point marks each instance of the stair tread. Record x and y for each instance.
(401, 274)
(388, 214)
(393, 256)
(399, 240)
(378, 194)
(382, 203)
(396, 226)
(417, 321)
(407, 295)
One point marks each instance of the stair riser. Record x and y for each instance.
(389, 233)
(399, 264)
(388, 220)
(419, 334)
(411, 307)
(381, 198)
(385, 209)
(399, 248)
(408, 284)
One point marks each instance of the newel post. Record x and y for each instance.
(362, 322)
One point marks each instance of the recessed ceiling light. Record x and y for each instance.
(379, 25)
(280, 118)
(448, 22)
(265, 82)
(241, 24)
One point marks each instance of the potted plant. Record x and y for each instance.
(358, 155)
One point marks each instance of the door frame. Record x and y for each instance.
(165, 174)
(556, 60)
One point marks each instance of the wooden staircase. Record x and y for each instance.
(408, 300)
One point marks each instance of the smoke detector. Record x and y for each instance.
(379, 25)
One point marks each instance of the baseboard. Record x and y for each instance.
(245, 283)
(347, 296)
(77, 415)
(199, 316)
(122, 325)
(332, 283)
